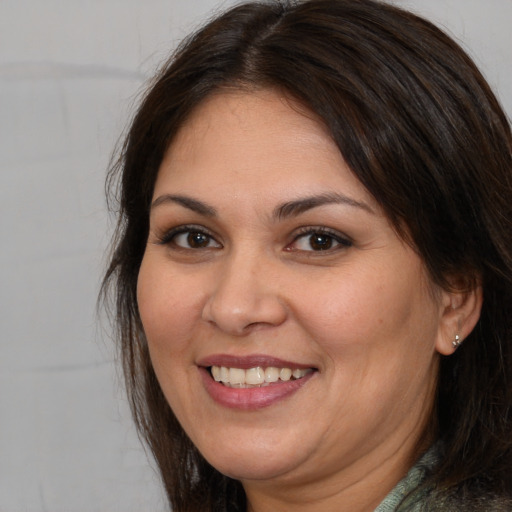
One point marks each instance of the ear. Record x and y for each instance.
(460, 311)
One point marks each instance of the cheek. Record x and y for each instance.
(379, 336)
(368, 310)
(169, 306)
(169, 311)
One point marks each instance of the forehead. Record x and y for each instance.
(254, 118)
(255, 140)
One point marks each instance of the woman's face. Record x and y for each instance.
(266, 256)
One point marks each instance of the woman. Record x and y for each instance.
(313, 267)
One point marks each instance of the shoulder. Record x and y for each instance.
(444, 502)
(417, 492)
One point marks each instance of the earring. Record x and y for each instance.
(457, 342)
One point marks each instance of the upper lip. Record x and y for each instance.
(249, 361)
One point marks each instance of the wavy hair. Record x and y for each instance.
(421, 129)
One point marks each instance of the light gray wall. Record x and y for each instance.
(69, 74)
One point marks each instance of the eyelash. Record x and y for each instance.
(343, 241)
(169, 237)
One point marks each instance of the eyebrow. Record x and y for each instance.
(283, 211)
(296, 207)
(187, 202)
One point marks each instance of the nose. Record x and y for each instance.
(244, 296)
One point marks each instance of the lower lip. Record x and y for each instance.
(251, 398)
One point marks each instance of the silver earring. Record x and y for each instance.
(457, 341)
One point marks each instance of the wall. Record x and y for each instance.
(70, 72)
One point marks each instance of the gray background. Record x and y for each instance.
(70, 73)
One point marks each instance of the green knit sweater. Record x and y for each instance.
(403, 494)
(410, 496)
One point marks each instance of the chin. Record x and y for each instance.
(258, 461)
(253, 470)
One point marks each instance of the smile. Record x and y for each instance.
(252, 382)
(257, 376)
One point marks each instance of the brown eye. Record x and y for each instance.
(320, 242)
(193, 239)
(316, 240)
(197, 240)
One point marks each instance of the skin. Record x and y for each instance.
(362, 313)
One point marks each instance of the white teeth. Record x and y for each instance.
(255, 377)
(224, 374)
(285, 374)
(271, 374)
(216, 373)
(297, 374)
(236, 376)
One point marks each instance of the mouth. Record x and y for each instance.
(252, 382)
(256, 377)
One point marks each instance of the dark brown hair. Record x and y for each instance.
(420, 128)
